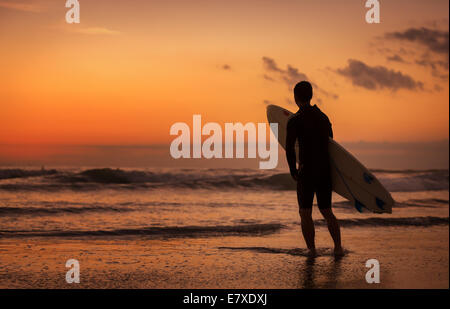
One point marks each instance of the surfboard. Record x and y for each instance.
(350, 178)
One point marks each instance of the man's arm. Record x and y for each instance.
(331, 130)
(291, 138)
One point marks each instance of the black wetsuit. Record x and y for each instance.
(312, 128)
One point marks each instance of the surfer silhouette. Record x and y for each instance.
(311, 128)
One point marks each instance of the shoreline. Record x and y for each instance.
(274, 261)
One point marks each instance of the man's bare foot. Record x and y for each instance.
(312, 252)
(338, 251)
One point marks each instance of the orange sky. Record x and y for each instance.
(131, 69)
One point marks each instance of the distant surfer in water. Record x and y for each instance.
(311, 128)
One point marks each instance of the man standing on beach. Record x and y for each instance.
(311, 128)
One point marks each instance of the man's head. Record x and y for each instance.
(303, 93)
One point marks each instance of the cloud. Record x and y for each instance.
(436, 41)
(267, 77)
(270, 65)
(377, 77)
(431, 48)
(327, 94)
(226, 67)
(291, 76)
(439, 68)
(434, 64)
(97, 31)
(396, 58)
(17, 6)
(437, 88)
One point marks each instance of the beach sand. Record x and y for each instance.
(268, 261)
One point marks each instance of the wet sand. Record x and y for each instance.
(410, 257)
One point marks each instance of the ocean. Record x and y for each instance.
(115, 218)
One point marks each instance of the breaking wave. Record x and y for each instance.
(47, 208)
(159, 232)
(20, 173)
(223, 230)
(95, 179)
(58, 210)
(381, 222)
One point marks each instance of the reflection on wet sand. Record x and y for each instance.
(311, 276)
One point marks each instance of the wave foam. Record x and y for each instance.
(95, 179)
(160, 232)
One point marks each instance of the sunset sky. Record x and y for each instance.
(132, 68)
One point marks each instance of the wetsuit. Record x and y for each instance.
(311, 128)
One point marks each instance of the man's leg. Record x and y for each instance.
(333, 228)
(324, 203)
(308, 228)
(305, 196)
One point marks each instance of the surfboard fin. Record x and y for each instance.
(358, 205)
(379, 203)
(368, 178)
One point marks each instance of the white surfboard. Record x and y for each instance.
(350, 178)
